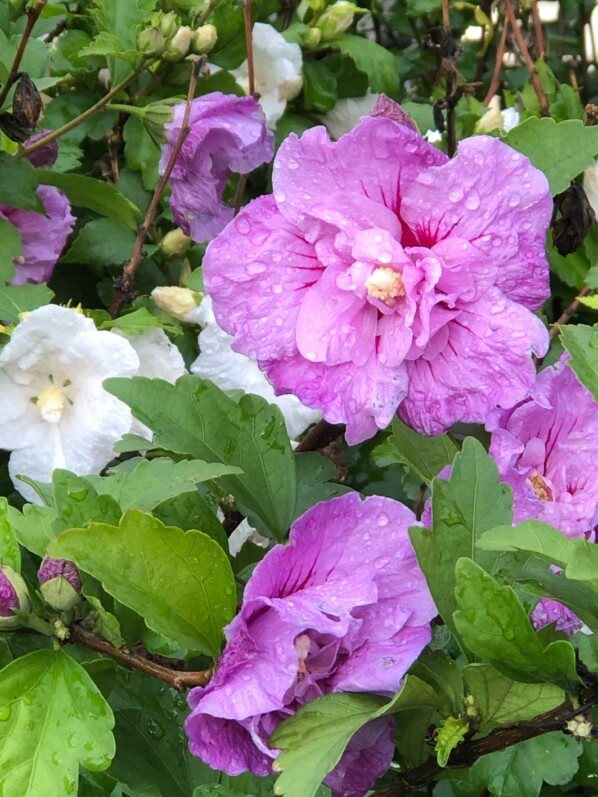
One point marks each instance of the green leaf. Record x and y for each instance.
(141, 151)
(180, 582)
(11, 246)
(314, 472)
(150, 745)
(426, 456)
(501, 701)
(193, 511)
(493, 624)
(194, 417)
(139, 321)
(451, 732)
(124, 22)
(34, 527)
(537, 577)
(319, 87)
(463, 508)
(561, 150)
(106, 45)
(145, 483)
(17, 299)
(78, 503)
(377, 62)
(520, 770)
(581, 342)
(87, 192)
(19, 183)
(577, 557)
(314, 739)
(10, 554)
(587, 648)
(100, 243)
(54, 719)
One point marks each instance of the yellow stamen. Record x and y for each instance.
(385, 284)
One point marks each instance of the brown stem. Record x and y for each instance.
(451, 80)
(527, 59)
(239, 191)
(498, 64)
(83, 117)
(249, 45)
(124, 285)
(175, 678)
(33, 13)
(468, 753)
(538, 32)
(319, 436)
(568, 314)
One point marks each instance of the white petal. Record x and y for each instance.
(159, 358)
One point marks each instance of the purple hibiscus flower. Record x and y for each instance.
(546, 448)
(382, 275)
(343, 607)
(43, 234)
(227, 133)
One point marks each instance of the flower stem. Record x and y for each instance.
(568, 314)
(123, 288)
(451, 81)
(249, 45)
(176, 678)
(527, 59)
(83, 117)
(500, 52)
(33, 13)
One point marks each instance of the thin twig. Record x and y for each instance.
(249, 45)
(527, 59)
(124, 285)
(468, 752)
(33, 13)
(498, 64)
(176, 678)
(83, 117)
(538, 32)
(568, 314)
(451, 75)
(319, 436)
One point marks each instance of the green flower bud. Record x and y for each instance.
(151, 40)
(60, 583)
(169, 24)
(175, 243)
(204, 39)
(337, 18)
(310, 38)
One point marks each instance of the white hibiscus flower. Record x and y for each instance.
(277, 69)
(56, 414)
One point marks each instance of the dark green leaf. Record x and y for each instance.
(319, 87)
(581, 342)
(10, 247)
(101, 242)
(314, 472)
(18, 184)
(493, 624)
(17, 299)
(194, 417)
(377, 62)
(463, 508)
(87, 192)
(10, 554)
(426, 456)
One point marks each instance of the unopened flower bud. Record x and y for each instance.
(336, 19)
(204, 39)
(151, 40)
(175, 243)
(471, 710)
(14, 597)
(60, 583)
(46, 155)
(580, 726)
(105, 77)
(178, 302)
(310, 38)
(169, 24)
(180, 44)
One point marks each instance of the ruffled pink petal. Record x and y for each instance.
(355, 182)
(485, 363)
(259, 269)
(364, 397)
(493, 197)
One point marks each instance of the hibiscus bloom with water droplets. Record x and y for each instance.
(382, 276)
(343, 607)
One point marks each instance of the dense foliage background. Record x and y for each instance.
(96, 671)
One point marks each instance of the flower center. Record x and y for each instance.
(385, 284)
(302, 646)
(541, 488)
(50, 403)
